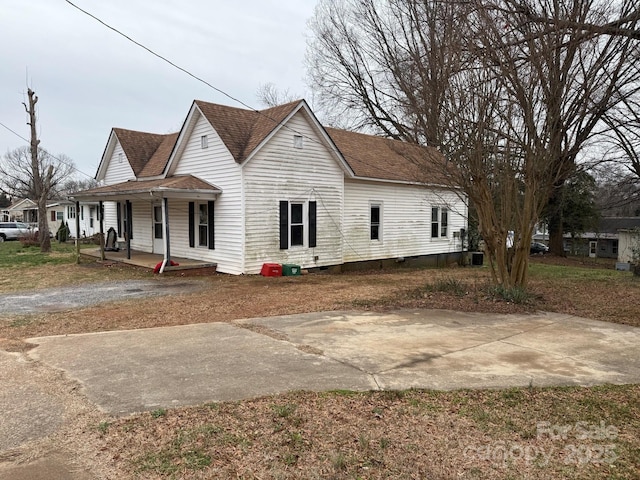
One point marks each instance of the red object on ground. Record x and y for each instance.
(159, 266)
(271, 270)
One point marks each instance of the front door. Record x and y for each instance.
(158, 230)
(593, 249)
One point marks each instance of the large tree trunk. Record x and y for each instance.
(554, 209)
(40, 184)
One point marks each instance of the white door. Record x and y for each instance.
(593, 249)
(158, 230)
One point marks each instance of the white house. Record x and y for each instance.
(242, 188)
(66, 211)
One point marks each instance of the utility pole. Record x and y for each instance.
(41, 186)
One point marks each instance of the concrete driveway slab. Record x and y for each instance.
(447, 350)
(129, 371)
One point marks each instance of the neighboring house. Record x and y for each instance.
(23, 210)
(66, 211)
(242, 188)
(604, 242)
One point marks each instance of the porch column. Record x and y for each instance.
(127, 230)
(77, 231)
(101, 220)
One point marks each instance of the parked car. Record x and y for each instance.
(537, 247)
(13, 230)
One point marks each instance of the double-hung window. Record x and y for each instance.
(375, 221)
(201, 225)
(439, 222)
(297, 224)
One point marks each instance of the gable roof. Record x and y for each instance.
(371, 156)
(243, 130)
(141, 148)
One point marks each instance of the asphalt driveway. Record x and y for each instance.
(129, 371)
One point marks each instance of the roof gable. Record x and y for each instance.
(140, 147)
(241, 130)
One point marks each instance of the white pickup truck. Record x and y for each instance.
(13, 230)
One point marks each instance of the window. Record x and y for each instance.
(157, 221)
(374, 221)
(53, 215)
(71, 211)
(614, 247)
(203, 225)
(439, 222)
(81, 212)
(59, 216)
(204, 141)
(92, 214)
(120, 158)
(297, 224)
(297, 141)
(124, 219)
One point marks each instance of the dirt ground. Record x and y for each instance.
(340, 434)
(600, 294)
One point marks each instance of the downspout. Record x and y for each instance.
(165, 223)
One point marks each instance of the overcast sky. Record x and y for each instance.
(90, 79)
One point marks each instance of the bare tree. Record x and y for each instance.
(511, 102)
(269, 95)
(31, 172)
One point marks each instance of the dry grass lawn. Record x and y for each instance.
(414, 434)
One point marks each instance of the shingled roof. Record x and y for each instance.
(146, 151)
(174, 183)
(243, 130)
(371, 156)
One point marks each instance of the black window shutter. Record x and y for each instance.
(119, 218)
(312, 224)
(284, 225)
(192, 226)
(212, 233)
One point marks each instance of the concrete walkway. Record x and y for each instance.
(129, 371)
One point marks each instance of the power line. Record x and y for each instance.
(208, 84)
(64, 162)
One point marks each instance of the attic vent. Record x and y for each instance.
(297, 141)
(204, 141)
(120, 158)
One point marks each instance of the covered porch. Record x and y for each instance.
(149, 260)
(147, 203)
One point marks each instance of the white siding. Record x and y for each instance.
(216, 166)
(142, 238)
(118, 171)
(281, 172)
(405, 221)
(142, 226)
(85, 221)
(110, 217)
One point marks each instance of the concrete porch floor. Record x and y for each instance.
(150, 260)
